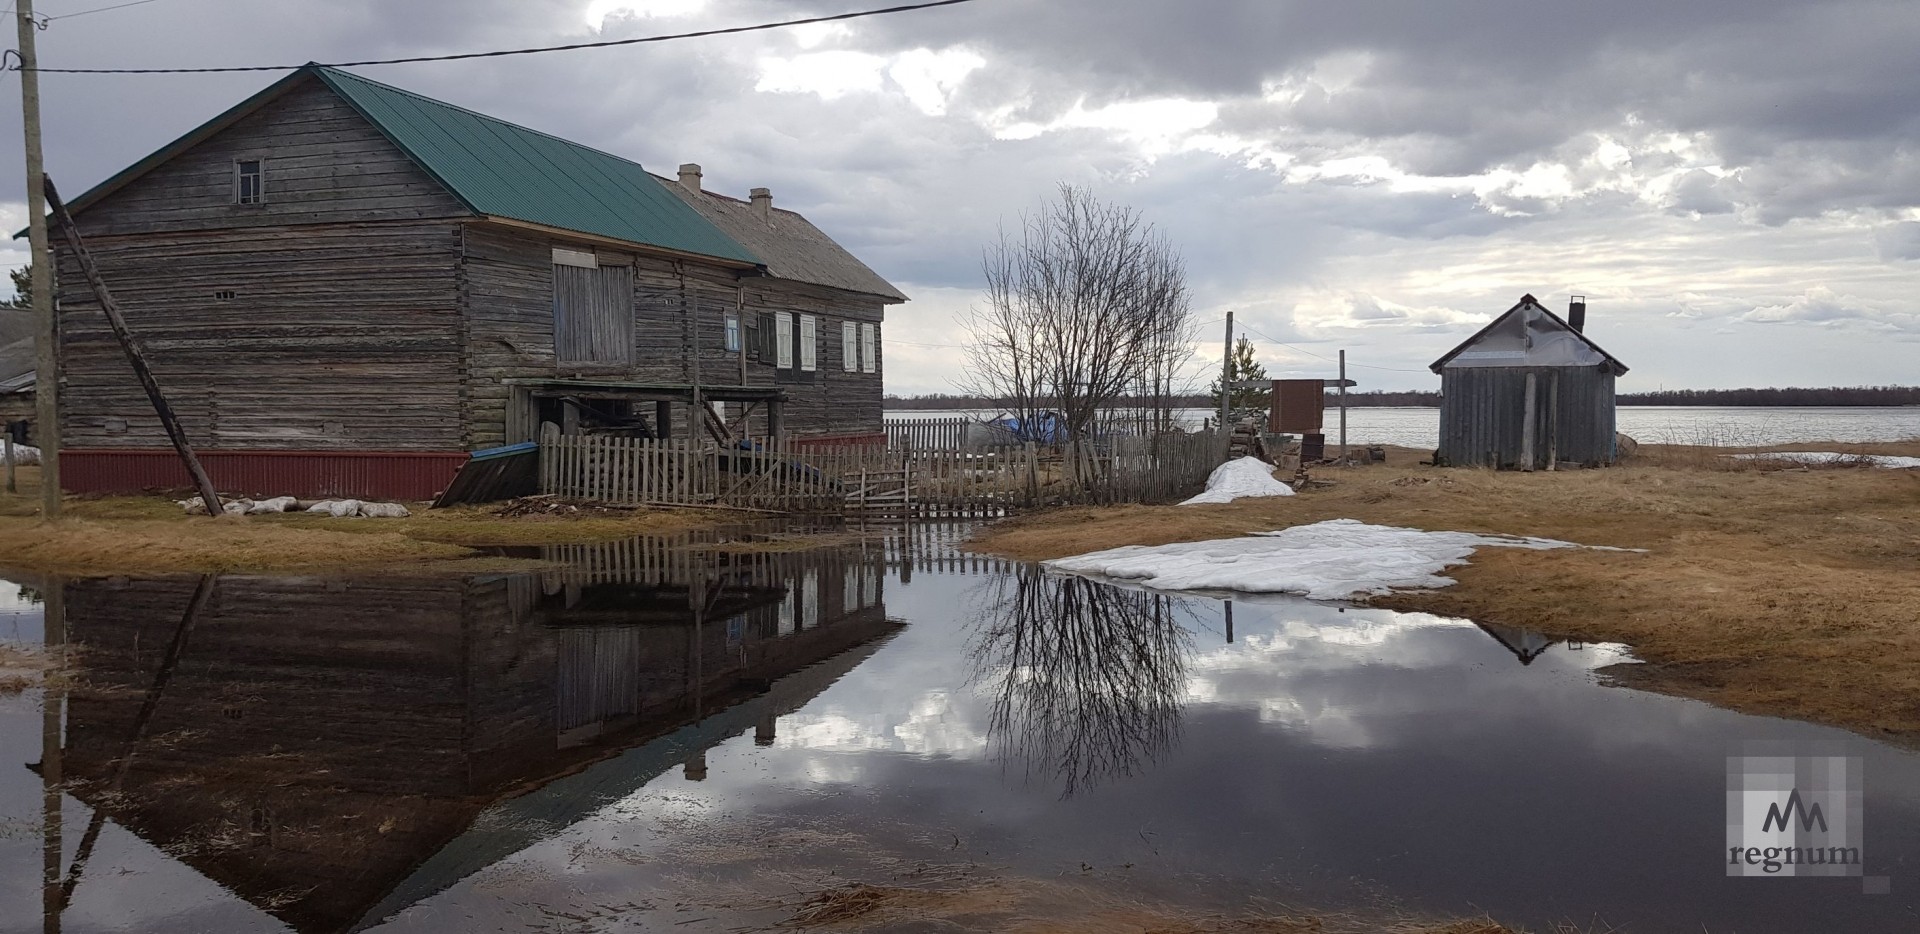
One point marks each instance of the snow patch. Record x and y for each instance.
(1241, 478)
(1333, 560)
(1833, 457)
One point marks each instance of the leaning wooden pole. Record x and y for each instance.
(71, 232)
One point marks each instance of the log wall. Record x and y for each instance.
(324, 163)
(506, 282)
(319, 337)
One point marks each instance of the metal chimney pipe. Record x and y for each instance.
(1577, 314)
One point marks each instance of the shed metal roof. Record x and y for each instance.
(1528, 334)
(497, 169)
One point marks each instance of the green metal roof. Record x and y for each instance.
(505, 170)
(494, 167)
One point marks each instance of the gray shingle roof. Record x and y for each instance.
(790, 245)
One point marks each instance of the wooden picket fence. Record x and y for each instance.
(776, 475)
(927, 433)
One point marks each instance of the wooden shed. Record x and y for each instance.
(1528, 390)
(346, 287)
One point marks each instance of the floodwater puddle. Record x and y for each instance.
(665, 734)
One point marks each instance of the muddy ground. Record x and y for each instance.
(1787, 592)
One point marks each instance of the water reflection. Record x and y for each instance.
(334, 750)
(1086, 678)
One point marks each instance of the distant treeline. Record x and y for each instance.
(1832, 395)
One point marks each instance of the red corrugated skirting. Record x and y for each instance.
(388, 475)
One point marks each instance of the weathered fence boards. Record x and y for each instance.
(926, 433)
(777, 475)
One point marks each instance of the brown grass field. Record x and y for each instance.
(151, 535)
(1786, 592)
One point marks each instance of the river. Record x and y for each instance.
(1739, 426)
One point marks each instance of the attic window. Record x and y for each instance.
(249, 182)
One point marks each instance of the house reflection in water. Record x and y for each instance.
(324, 747)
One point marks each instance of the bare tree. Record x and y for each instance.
(1086, 305)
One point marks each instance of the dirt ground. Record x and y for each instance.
(151, 534)
(1788, 592)
(1036, 907)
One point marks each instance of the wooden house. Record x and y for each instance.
(345, 287)
(1529, 390)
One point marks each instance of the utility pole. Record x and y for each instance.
(46, 386)
(1226, 383)
(1343, 405)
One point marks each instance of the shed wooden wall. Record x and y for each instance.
(506, 283)
(1483, 416)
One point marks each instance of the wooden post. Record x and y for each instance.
(1553, 423)
(46, 387)
(1526, 430)
(6, 453)
(1226, 379)
(1343, 405)
(132, 348)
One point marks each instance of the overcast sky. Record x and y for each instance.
(1734, 184)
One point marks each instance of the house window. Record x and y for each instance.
(249, 182)
(783, 339)
(809, 343)
(733, 332)
(849, 347)
(752, 325)
(869, 348)
(592, 310)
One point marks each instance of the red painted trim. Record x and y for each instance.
(396, 475)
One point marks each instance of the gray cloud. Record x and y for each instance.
(1432, 160)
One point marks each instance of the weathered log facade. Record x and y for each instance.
(317, 282)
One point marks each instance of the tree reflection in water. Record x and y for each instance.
(1086, 678)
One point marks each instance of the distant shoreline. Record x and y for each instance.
(1831, 397)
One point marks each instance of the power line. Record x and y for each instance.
(118, 6)
(1263, 336)
(730, 30)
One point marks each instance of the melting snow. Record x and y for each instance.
(1240, 478)
(1831, 457)
(1333, 560)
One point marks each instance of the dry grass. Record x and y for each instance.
(20, 668)
(1790, 592)
(150, 535)
(1035, 907)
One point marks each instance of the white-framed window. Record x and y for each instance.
(733, 332)
(809, 343)
(849, 347)
(869, 349)
(249, 181)
(783, 339)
